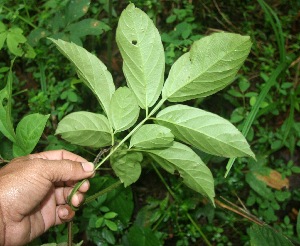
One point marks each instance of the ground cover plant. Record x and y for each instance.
(263, 102)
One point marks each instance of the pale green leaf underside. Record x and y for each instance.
(204, 130)
(143, 55)
(194, 172)
(28, 133)
(91, 70)
(6, 125)
(85, 129)
(211, 64)
(124, 110)
(152, 136)
(127, 166)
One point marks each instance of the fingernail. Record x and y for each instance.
(88, 166)
(64, 212)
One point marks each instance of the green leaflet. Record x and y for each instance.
(265, 235)
(194, 172)
(85, 129)
(124, 110)
(211, 64)
(152, 136)
(28, 133)
(76, 9)
(6, 125)
(140, 236)
(127, 166)
(91, 70)
(204, 130)
(259, 187)
(143, 55)
(14, 39)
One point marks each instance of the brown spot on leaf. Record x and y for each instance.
(85, 8)
(95, 23)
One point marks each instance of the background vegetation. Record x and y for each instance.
(263, 103)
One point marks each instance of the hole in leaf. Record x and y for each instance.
(134, 42)
(4, 102)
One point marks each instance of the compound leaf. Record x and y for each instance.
(127, 166)
(152, 136)
(211, 64)
(28, 133)
(85, 129)
(91, 70)
(143, 55)
(194, 172)
(204, 130)
(124, 110)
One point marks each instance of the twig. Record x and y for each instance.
(70, 224)
(223, 15)
(234, 208)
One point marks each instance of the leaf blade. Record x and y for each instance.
(85, 129)
(124, 109)
(143, 55)
(204, 130)
(6, 124)
(211, 65)
(152, 136)
(91, 70)
(28, 133)
(127, 166)
(194, 172)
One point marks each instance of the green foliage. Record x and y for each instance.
(29, 129)
(203, 130)
(263, 235)
(143, 55)
(14, 39)
(208, 67)
(90, 70)
(86, 129)
(65, 22)
(126, 110)
(207, 62)
(263, 103)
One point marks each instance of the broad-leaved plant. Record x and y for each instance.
(168, 136)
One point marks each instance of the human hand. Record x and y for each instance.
(34, 191)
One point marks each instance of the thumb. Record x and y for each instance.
(65, 170)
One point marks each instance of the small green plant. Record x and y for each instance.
(210, 65)
(66, 23)
(28, 130)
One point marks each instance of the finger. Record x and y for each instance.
(62, 194)
(63, 170)
(58, 155)
(64, 213)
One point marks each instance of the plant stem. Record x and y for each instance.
(21, 18)
(164, 182)
(252, 115)
(198, 229)
(158, 105)
(102, 192)
(70, 234)
(177, 200)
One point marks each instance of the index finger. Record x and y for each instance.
(58, 155)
